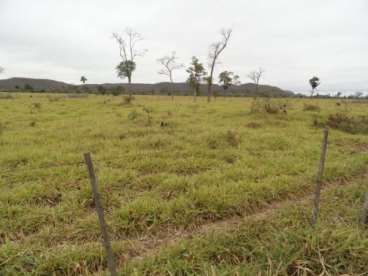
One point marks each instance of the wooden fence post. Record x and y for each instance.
(100, 212)
(321, 168)
(365, 211)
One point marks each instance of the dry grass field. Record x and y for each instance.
(188, 188)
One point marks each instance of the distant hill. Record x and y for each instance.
(45, 85)
(36, 84)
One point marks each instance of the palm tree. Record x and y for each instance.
(83, 79)
(314, 82)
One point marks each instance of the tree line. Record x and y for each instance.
(129, 52)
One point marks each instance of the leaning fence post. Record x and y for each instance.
(100, 212)
(365, 211)
(321, 168)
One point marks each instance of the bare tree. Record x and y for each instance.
(215, 51)
(169, 64)
(256, 76)
(1, 69)
(128, 52)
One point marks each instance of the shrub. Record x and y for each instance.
(343, 122)
(148, 111)
(267, 106)
(127, 100)
(53, 98)
(36, 106)
(133, 115)
(348, 124)
(2, 127)
(254, 125)
(233, 138)
(311, 107)
(117, 91)
(28, 87)
(77, 96)
(223, 140)
(6, 97)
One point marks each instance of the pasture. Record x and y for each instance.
(188, 188)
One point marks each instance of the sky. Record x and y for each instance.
(292, 40)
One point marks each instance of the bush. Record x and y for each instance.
(348, 124)
(6, 97)
(2, 127)
(311, 107)
(133, 115)
(127, 100)
(267, 106)
(53, 98)
(223, 140)
(343, 122)
(36, 106)
(77, 96)
(254, 125)
(233, 138)
(28, 87)
(115, 92)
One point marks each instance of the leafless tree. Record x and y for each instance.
(215, 51)
(169, 64)
(128, 51)
(256, 76)
(1, 69)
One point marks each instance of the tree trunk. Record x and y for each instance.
(209, 92)
(172, 91)
(129, 87)
(210, 81)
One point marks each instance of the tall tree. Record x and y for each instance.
(314, 83)
(215, 51)
(227, 79)
(128, 52)
(256, 76)
(169, 64)
(125, 69)
(197, 74)
(83, 79)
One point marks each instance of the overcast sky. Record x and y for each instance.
(291, 39)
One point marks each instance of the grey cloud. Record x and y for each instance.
(292, 40)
